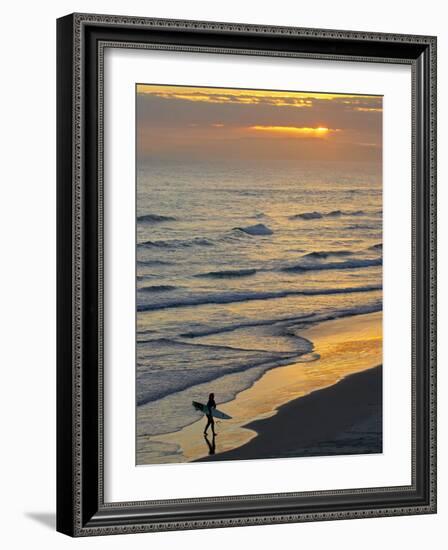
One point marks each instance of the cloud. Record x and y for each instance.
(253, 97)
(369, 109)
(224, 96)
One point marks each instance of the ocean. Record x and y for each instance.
(233, 259)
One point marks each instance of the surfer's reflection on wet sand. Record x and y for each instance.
(211, 445)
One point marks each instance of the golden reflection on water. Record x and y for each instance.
(344, 346)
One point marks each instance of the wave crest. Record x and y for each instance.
(233, 297)
(154, 218)
(357, 226)
(177, 243)
(152, 263)
(229, 273)
(158, 288)
(324, 254)
(315, 215)
(307, 216)
(349, 264)
(255, 230)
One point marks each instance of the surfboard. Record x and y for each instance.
(215, 412)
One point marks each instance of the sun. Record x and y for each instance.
(295, 131)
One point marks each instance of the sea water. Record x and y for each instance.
(234, 258)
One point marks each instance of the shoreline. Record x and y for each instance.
(345, 418)
(342, 346)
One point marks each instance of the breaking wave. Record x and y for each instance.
(257, 229)
(315, 215)
(348, 264)
(233, 297)
(177, 243)
(154, 218)
(228, 273)
(323, 254)
(158, 288)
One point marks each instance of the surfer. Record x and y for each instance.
(210, 422)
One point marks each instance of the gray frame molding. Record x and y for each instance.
(77, 513)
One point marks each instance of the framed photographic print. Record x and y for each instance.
(246, 274)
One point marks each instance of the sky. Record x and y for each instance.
(200, 124)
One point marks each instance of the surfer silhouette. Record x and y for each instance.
(210, 422)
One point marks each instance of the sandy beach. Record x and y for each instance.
(318, 406)
(343, 419)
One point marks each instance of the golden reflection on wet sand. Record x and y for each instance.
(344, 346)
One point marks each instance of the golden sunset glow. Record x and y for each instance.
(188, 122)
(219, 96)
(247, 97)
(293, 131)
(369, 109)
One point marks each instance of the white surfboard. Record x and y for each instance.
(215, 412)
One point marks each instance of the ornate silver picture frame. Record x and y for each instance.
(81, 506)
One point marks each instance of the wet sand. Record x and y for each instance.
(343, 419)
(264, 418)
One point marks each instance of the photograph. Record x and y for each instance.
(259, 275)
(246, 273)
